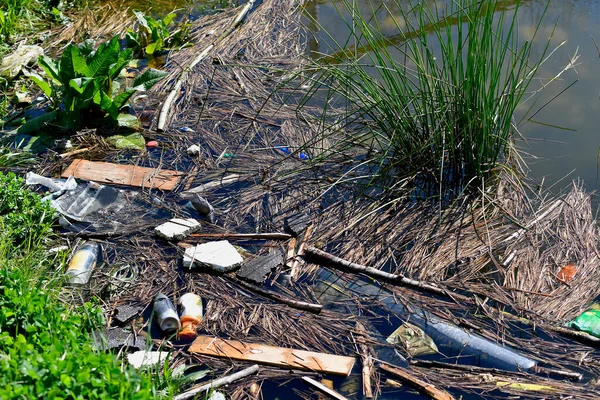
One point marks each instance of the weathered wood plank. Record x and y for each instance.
(270, 355)
(129, 175)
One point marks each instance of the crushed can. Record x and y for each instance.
(190, 306)
(166, 314)
(83, 262)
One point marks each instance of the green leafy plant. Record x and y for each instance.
(82, 86)
(155, 35)
(47, 347)
(432, 102)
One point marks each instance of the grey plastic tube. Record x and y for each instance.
(451, 340)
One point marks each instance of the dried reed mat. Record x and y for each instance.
(98, 23)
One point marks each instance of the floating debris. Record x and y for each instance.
(177, 228)
(166, 314)
(124, 313)
(82, 264)
(144, 358)
(190, 306)
(202, 205)
(413, 339)
(257, 269)
(152, 144)
(297, 223)
(219, 256)
(193, 150)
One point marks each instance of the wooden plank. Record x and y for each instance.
(423, 387)
(129, 175)
(270, 355)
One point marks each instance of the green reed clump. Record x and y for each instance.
(435, 106)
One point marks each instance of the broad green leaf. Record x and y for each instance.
(37, 124)
(128, 121)
(71, 64)
(131, 141)
(154, 47)
(169, 18)
(106, 55)
(131, 39)
(50, 67)
(148, 79)
(123, 60)
(107, 104)
(40, 82)
(87, 47)
(122, 98)
(79, 84)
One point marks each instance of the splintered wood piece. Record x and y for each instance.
(328, 391)
(118, 174)
(418, 384)
(270, 355)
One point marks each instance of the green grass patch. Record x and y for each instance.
(46, 346)
(434, 107)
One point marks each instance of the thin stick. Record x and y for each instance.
(418, 384)
(243, 236)
(301, 305)
(341, 264)
(217, 383)
(291, 253)
(226, 180)
(330, 392)
(366, 361)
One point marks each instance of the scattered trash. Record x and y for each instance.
(166, 314)
(270, 355)
(144, 358)
(297, 223)
(152, 144)
(56, 185)
(62, 145)
(202, 205)
(193, 150)
(13, 64)
(118, 174)
(224, 181)
(257, 269)
(83, 262)
(283, 149)
(124, 313)
(216, 396)
(219, 256)
(567, 272)
(118, 339)
(187, 129)
(303, 156)
(217, 383)
(190, 306)
(588, 321)
(177, 228)
(524, 386)
(413, 339)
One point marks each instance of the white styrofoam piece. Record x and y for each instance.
(144, 358)
(177, 228)
(220, 256)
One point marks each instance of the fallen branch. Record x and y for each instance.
(243, 236)
(217, 383)
(301, 305)
(301, 251)
(418, 384)
(329, 392)
(340, 263)
(162, 118)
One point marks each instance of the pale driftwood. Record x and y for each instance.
(120, 174)
(291, 253)
(243, 236)
(340, 263)
(424, 387)
(301, 305)
(164, 112)
(324, 389)
(366, 360)
(74, 152)
(270, 355)
(217, 383)
(226, 180)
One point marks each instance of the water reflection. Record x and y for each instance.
(550, 152)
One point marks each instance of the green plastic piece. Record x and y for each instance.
(588, 322)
